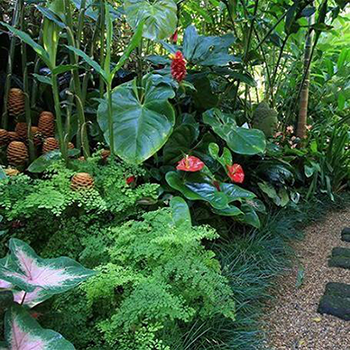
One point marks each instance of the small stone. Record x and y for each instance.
(336, 306)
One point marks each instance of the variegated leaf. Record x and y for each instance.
(27, 271)
(22, 332)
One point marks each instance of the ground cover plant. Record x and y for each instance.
(170, 148)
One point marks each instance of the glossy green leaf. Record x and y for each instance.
(240, 140)
(250, 216)
(40, 164)
(43, 79)
(160, 17)
(64, 68)
(143, 118)
(180, 212)
(231, 210)
(180, 142)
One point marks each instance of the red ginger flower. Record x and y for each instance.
(190, 163)
(130, 180)
(178, 67)
(236, 173)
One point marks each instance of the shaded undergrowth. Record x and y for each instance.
(252, 261)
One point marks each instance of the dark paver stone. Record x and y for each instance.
(345, 238)
(338, 289)
(340, 251)
(345, 234)
(339, 261)
(336, 306)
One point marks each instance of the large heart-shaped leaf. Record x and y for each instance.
(143, 118)
(160, 17)
(27, 271)
(22, 332)
(240, 140)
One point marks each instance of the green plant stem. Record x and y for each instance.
(16, 18)
(110, 117)
(56, 97)
(26, 87)
(102, 44)
(82, 137)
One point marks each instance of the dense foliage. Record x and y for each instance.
(162, 144)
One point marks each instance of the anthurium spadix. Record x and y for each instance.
(39, 278)
(22, 332)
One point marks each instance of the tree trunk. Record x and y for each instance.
(304, 95)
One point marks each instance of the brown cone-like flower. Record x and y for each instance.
(15, 102)
(13, 136)
(50, 144)
(11, 172)
(46, 124)
(82, 181)
(105, 154)
(22, 130)
(4, 137)
(36, 135)
(17, 153)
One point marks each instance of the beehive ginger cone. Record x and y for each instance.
(16, 102)
(50, 144)
(46, 124)
(4, 137)
(17, 153)
(82, 181)
(22, 130)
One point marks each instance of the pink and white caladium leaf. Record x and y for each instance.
(28, 272)
(22, 332)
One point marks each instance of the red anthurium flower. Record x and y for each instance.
(130, 180)
(190, 163)
(178, 66)
(174, 37)
(236, 173)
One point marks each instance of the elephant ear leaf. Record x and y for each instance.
(160, 17)
(30, 273)
(22, 332)
(143, 118)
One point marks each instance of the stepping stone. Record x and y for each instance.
(338, 289)
(335, 306)
(339, 251)
(345, 234)
(339, 261)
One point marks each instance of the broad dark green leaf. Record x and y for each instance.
(64, 68)
(180, 212)
(160, 17)
(240, 140)
(143, 118)
(43, 79)
(40, 164)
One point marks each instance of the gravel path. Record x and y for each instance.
(292, 321)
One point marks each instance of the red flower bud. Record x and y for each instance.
(236, 173)
(178, 67)
(174, 37)
(130, 180)
(190, 163)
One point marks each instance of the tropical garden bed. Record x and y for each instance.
(157, 160)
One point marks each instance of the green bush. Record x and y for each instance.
(159, 278)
